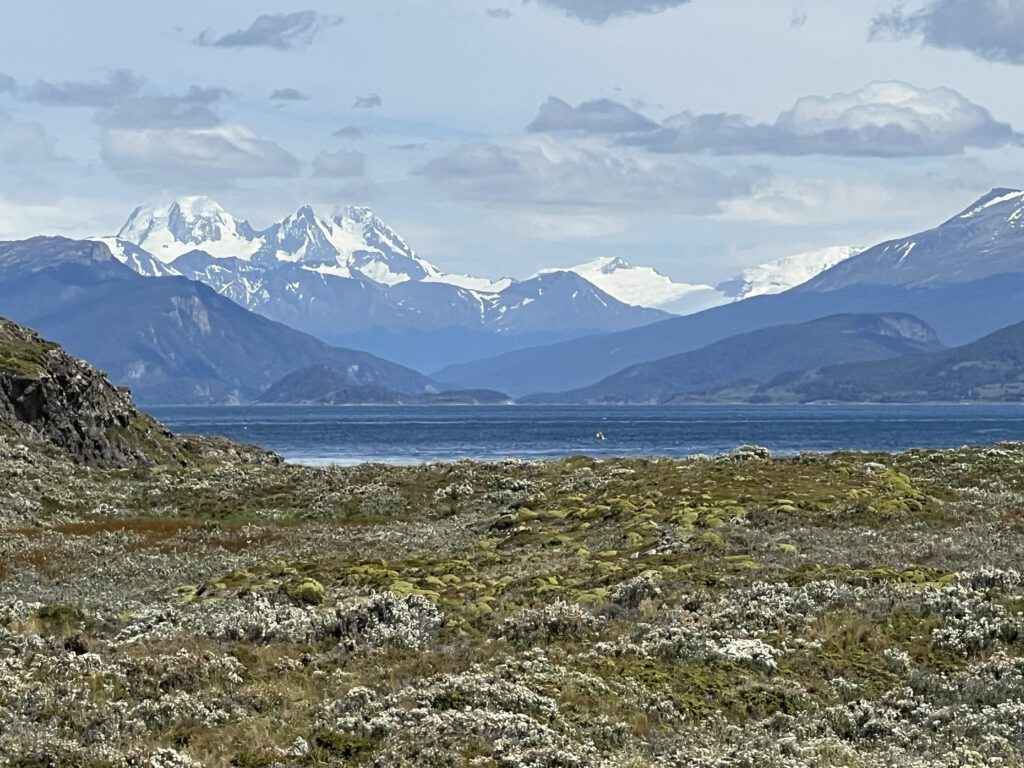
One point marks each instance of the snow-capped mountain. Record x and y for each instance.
(981, 241)
(964, 278)
(187, 224)
(644, 286)
(351, 279)
(783, 274)
(352, 240)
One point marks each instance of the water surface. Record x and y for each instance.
(414, 434)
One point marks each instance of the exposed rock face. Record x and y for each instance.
(47, 395)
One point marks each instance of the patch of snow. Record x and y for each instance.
(783, 274)
(477, 284)
(639, 286)
(1013, 195)
(906, 252)
(327, 269)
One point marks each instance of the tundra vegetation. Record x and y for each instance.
(742, 610)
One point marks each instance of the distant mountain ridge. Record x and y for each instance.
(171, 340)
(324, 385)
(964, 278)
(990, 369)
(758, 357)
(645, 286)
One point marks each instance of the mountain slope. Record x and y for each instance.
(991, 368)
(170, 339)
(983, 240)
(759, 356)
(960, 307)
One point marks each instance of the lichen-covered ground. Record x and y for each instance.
(840, 610)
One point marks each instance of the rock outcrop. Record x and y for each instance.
(48, 396)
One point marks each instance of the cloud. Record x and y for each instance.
(7, 83)
(799, 18)
(502, 14)
(369, 101)
(289, 94)
(990, 29)
(119, 85)
(285, 31)
(26, 215)
(25, 143)
(539, 171)
(350, 132)
(600, 11)
(193, 110)
(339, 165)
(882, 119)
(120, 103)
(217, 155)
(413, 147)
(599, 116)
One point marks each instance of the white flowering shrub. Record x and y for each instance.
(558, 621)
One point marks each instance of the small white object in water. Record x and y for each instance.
(599, 436)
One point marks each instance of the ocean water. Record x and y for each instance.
(414, 434)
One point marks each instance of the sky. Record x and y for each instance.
(500, 137)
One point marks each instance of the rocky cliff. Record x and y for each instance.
(48, 396)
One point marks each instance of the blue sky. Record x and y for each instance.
(501, 137)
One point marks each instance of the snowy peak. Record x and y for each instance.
(300, 238)
(1000, 202)
(354, 242)
(783, 274)
(375, 250)
(185, 224)
(559, 299)
(642, 286)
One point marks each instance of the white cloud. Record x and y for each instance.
(882, 119)
(817, 201)
(68, 216)
(217, 155)
(540, 171)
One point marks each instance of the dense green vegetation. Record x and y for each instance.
(849, 609)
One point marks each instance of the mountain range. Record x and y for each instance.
(352, 280)
(171, 340)
(190, 304)
(759, 357)
(990, 369)
(964, 278)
